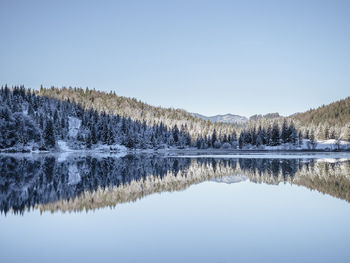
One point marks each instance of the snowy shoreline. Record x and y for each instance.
(172, 151)
(63, 147)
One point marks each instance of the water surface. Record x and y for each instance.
(144, 208)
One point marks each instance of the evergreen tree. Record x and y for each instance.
(300, 138)
(93, 134)
(176, 134)
(268, 138)
(326, 133)
(49, 135)
(307, 134)
(213, 138)
(241, 141)
(313, 140)
(292, 133)
(88, 141)
(285, 132)
(275, 135)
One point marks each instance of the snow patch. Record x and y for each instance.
(74, 126)
(73, 175)
(63, 146)
(230, 179)
(325, 145)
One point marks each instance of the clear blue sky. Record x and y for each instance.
(210, 57)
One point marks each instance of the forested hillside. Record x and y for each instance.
(328, 121)
(336, 113)
(86, 119)
(137, 110)
(32, 122)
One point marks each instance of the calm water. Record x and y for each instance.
(247, 208)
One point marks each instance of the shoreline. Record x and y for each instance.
(171, 151)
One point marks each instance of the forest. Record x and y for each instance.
(36, 120)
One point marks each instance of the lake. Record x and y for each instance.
(285, 207)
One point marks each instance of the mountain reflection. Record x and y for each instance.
(85, 183)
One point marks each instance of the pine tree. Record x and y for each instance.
(213, 138)
(292, 133)
(275, 135)
(268, 138)
(88, 141)
(49, 135)
(110, 137)
(307, 134)
(313, 140)
(93, 134)
(259, 140)
(176, 134)
(241, 141)
(284, 132)
(300, 138)
(326, 133)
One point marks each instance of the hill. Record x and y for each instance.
(336, 113)
(137, 110)
(330, 121)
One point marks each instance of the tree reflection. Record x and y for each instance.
(83, 183)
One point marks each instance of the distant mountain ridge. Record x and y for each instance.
(269, 116)
(226, 118)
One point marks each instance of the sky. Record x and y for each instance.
(210, 57)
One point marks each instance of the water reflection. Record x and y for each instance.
(85, 182)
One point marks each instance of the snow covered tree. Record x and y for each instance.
(49, 135)
(275, 135)
(326, 133)
(292, 133)
(300, 138)
(313, 141)
(285, 132)
(213, 137)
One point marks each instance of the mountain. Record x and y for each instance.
(226, 118)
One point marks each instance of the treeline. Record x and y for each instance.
(274, 135)
(217, 141)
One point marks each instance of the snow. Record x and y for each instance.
(324, 145)
(65, 151)
(110, 148)
(63, 146)
(73, 174)
(230, 179)
(324, 156)
(332, 145)
(74, 126)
